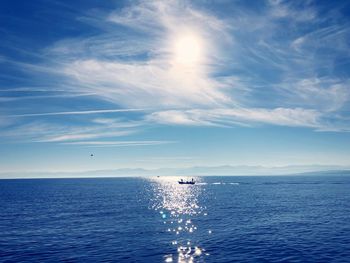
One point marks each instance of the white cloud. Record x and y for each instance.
(296, 117)
(190, 117)
(76, 135)
(151, 84)
(86, 112)
(43, 131)
(297, 43)
(285, 9)
(325, 95)
(185, 66)
(163, 78)
(118, 143)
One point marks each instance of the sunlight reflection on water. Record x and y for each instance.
(179, 207)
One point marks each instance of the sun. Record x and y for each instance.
(188, 49)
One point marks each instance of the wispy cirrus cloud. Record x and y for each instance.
(56, 132)
(118, 143)
(41, 97)
(296, 11)
(84, 112)
(158, 74)
(297, 117)
(322, 94)
(146, 85)
(273, 65)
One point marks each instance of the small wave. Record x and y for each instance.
(168, 258)
(220, 183)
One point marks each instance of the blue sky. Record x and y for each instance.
(173, 84)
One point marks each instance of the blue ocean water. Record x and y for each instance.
(220, 219)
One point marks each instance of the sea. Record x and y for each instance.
(155, 219)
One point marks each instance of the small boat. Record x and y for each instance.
(187, 182)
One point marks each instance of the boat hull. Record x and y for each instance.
(186, 182)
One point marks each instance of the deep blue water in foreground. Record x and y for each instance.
(221, 219)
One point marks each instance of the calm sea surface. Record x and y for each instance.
(220, 219)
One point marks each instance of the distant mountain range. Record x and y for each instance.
(224, 170)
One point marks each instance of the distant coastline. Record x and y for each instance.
(226, 170)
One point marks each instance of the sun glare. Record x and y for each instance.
(188, 49)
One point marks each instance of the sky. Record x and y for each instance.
(175, 83)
